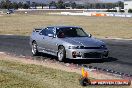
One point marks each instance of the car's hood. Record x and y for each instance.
(84, 41)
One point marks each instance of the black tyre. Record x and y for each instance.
(35, 49)
(61, 53)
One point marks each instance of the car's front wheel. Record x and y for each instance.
(61, 54)
(34, 49)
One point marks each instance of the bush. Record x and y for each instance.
(130, 11)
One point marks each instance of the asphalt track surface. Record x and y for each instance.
(120, 59)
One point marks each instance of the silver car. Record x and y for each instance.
(67, 42)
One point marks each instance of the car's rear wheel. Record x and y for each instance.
(61, 53)
(34, 49)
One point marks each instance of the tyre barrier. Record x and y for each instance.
(97, 14)
(112, 72)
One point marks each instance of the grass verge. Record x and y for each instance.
(23, 24)
(18, 75)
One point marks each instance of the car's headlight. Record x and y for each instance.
(76, 47)
(103, 47)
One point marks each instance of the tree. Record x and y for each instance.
(14, 5)
(80, 6)
(34, 4)
(90, 6)
(109, 5)
(130, 11)
(42, 5)
(73, 5)
(120, 4)
(25, 6)
(20, 5)
(87, 6)
(3, 4)
(97, 6)
(52, 4)
(60, 4)
(6, 4)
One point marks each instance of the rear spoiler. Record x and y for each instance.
(37, 30)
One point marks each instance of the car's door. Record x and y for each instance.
(42, 40)
(46, 42)
(52, 42)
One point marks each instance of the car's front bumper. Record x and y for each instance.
(87, 53)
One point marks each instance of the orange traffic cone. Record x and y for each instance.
(85, 81)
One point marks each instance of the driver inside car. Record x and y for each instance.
(61, 35)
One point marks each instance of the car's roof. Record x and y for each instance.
(60, 27)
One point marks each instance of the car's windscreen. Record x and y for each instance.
(71, 32)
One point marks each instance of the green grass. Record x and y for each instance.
(32, 76)
(19, 75)
(23, 24)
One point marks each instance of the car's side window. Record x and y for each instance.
(47, 31)
(43, 32)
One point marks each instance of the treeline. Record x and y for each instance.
(7, 4)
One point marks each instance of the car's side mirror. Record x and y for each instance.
(90, 35)
(50, 35)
